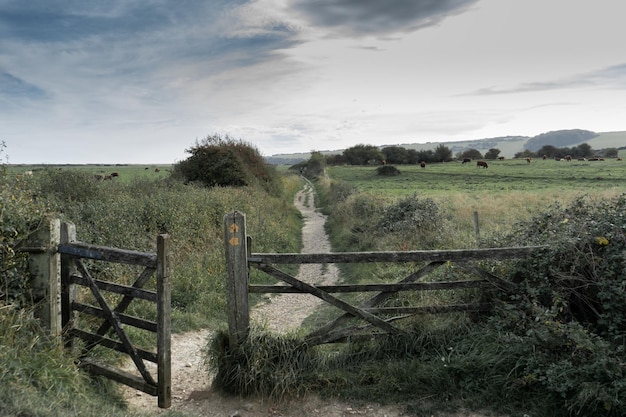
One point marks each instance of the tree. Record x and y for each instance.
(316, 165)
(423, 155)
(471, 154)
(584, 150)
(396, 154)
(363, 155)
(223, 161)
(492, 153)
(442, 154)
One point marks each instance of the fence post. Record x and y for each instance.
(164, 328)
(236, 277)
(44, 267)
(476, 229)
(68, 290)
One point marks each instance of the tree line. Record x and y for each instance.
(372, 155)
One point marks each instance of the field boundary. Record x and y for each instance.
(373, 318)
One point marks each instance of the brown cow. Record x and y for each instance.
(528, 160)
(568, 158)
(157, 170)
(466, 160)
(618, 159)
(423, 164)
(481, 164)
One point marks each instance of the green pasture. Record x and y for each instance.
(127, 172)
(506, 176)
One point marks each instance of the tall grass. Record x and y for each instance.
(37, 377)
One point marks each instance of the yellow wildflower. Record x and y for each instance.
(602, 241)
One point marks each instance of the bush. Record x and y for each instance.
(583, 271)
(20, 216)
(388, 171)
(224, 162)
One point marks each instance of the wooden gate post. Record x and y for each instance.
(45, 268)
(236, 277)
(68, 290)
(164, 329)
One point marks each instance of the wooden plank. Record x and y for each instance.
(118, 375)
(356, 312)
(92, 339)
(116, 324)
(406, 256)
(138, 322)
(103, 253)
(432, 309)
(164, 308)
(397, 287)
(127, 291)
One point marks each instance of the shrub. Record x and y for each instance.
(20, 215)
(223, 161)
(584, 269)
(388, 171)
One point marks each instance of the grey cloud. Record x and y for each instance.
(60, 20)
(132, 37)
(378, 17)
(614, 77)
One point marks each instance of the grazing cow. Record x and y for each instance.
(545, 157)
(618, 159)
(146, 168)
(501, 158)
(568, 158)
(157, 170)
(466, 160)
(423, 164)
(528, 160)
(115, 174)
(482, 164)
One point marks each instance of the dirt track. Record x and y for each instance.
(191, 393)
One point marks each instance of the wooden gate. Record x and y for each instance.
(111, 332)
(376, 319)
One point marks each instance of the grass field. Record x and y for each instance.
(126, 172)
(502, 176)
(504, 193)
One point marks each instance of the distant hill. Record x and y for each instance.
(508, 145)
(559, 139)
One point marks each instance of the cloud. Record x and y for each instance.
(16, 88)
(609, 77)
(376, 17)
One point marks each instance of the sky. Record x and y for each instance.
(141, 81)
